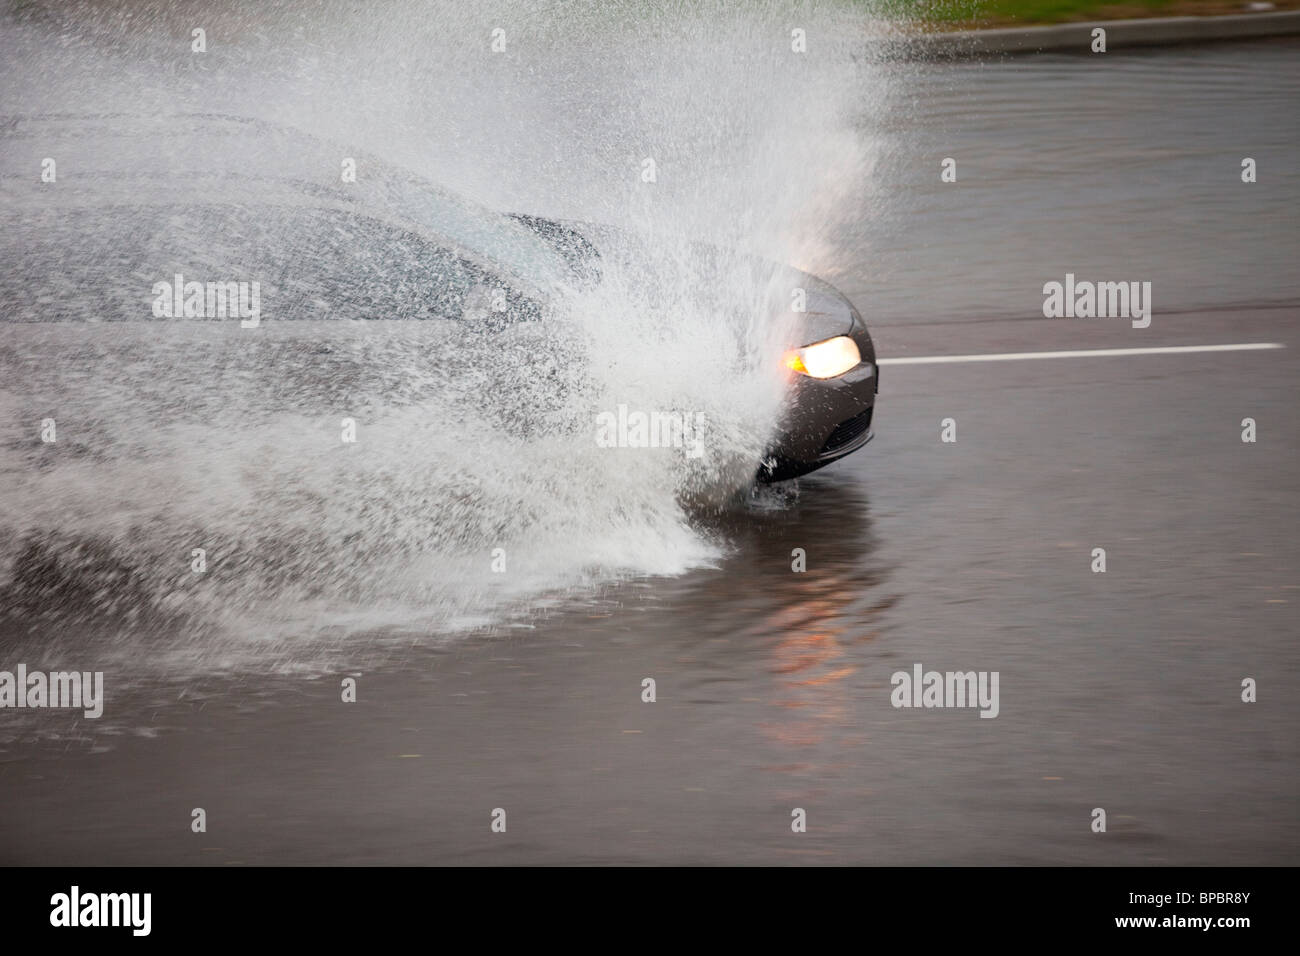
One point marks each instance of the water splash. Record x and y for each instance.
(695, 129)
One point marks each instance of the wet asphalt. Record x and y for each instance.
(1118, 690)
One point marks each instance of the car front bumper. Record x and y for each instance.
(827, 418)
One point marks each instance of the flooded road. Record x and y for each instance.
(1122, 165)
(1118, 690)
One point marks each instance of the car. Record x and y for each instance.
(832, 377)
(138, 198)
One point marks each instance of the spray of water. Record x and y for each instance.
(709, 138)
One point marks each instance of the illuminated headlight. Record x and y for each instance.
(825, 359)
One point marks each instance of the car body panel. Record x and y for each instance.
(821, 412)
(530, 256)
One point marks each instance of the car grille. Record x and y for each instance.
(847, 431)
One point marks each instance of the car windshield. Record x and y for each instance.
(310, 263)
(494, 236)
(230, 197)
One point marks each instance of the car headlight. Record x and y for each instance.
(825, 359)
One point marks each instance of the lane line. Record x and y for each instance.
(1076, 353)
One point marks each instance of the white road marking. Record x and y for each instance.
(1075, 353)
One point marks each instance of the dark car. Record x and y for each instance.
(137, 198)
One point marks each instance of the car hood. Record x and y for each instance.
(583, 244)
(828, 313)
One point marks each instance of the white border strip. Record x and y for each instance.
(1075, 353)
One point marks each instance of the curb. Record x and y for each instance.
(1077, 37)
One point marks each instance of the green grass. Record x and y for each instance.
(1032, 11)
(1011, 12)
